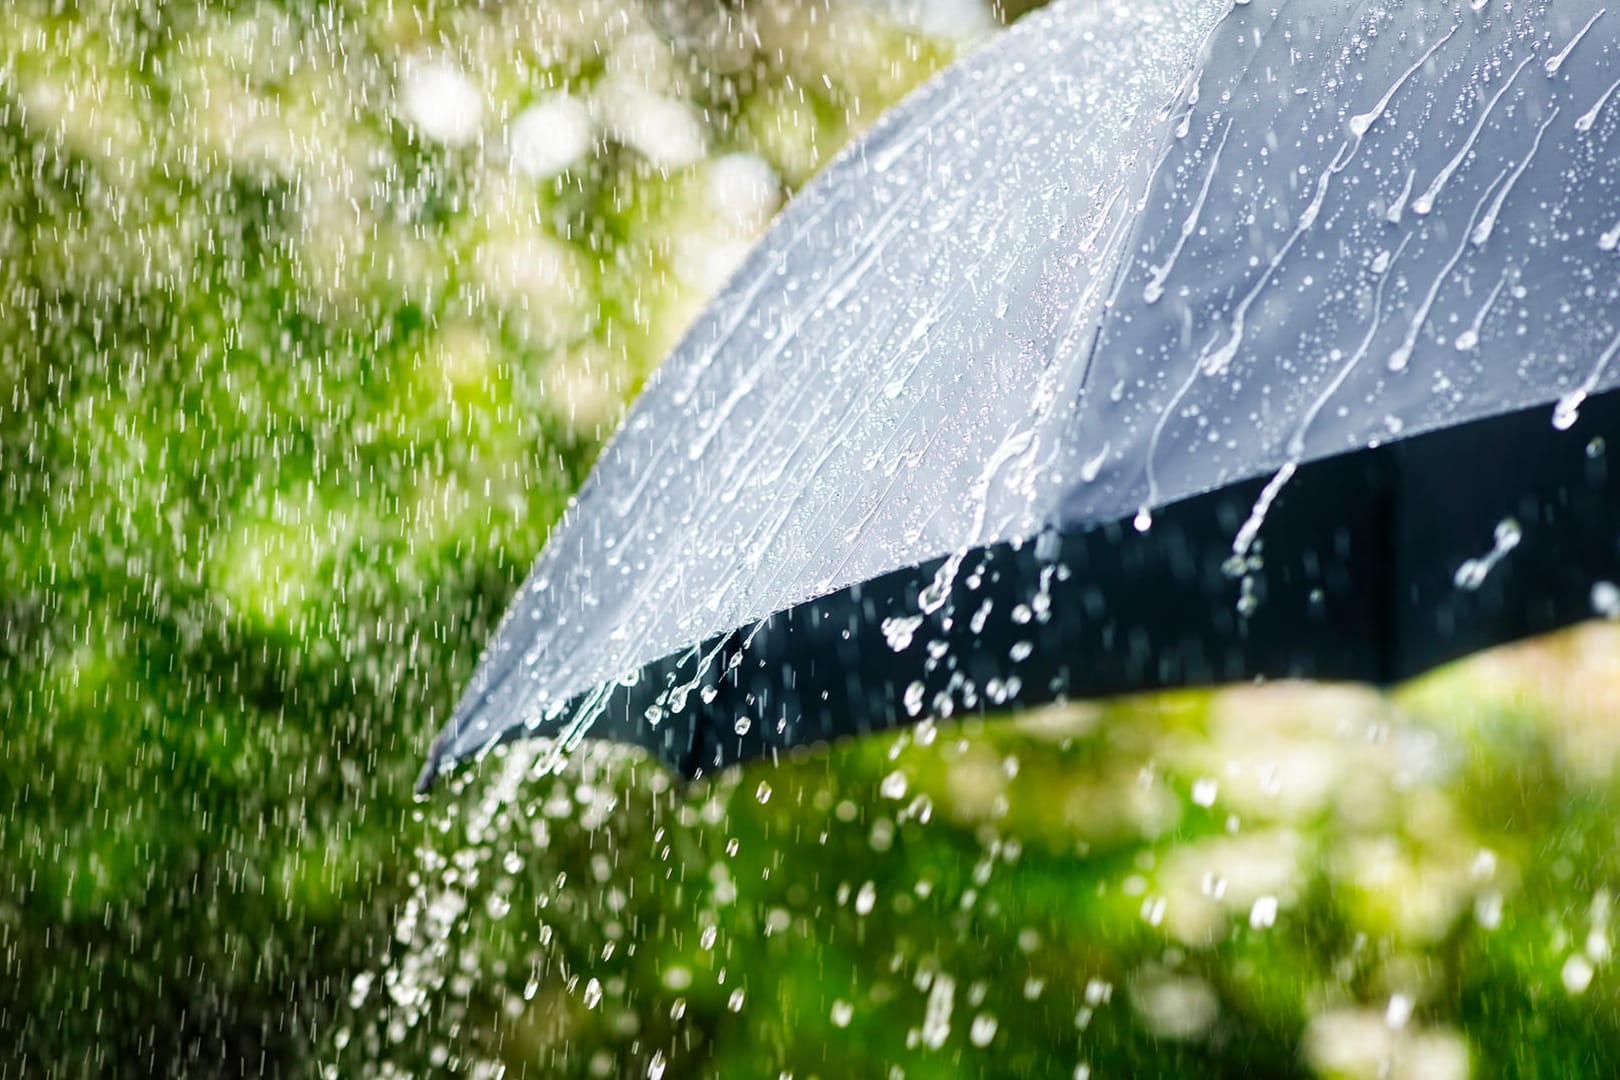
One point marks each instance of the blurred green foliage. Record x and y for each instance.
(1273, 881)
(290, 394)
(291, 389)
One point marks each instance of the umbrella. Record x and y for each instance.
(1154, 344)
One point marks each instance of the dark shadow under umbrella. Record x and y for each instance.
(1153, 345)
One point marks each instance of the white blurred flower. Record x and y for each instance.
(1208, 881)
(549, 136)
(744, 189)
(539, 280)
(1414, 893)
(1173, 1006)
(705, 261)
(463, 357)
(644, 59)
(664, 131)
(958, 20)
(1360, 1044)
(1576, 974)
(438, 99)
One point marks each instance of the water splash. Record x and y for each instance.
(899, 630)
(1238, 563)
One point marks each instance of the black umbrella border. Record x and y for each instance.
(1374, 565)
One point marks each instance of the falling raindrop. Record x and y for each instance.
(913, 698)
(1577, 973)
(936, 1026)
(1263, 913)
(1473, 572)
(894, 785)
(898, 631)
(866, 899)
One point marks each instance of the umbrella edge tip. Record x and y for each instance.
(430, 768)
(424, 779)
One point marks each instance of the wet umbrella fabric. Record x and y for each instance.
(1156, 344)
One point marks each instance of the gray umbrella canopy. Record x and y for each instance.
(1157, 286)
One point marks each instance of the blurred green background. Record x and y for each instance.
(312, 316)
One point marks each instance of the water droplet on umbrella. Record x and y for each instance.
(1555, 62)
